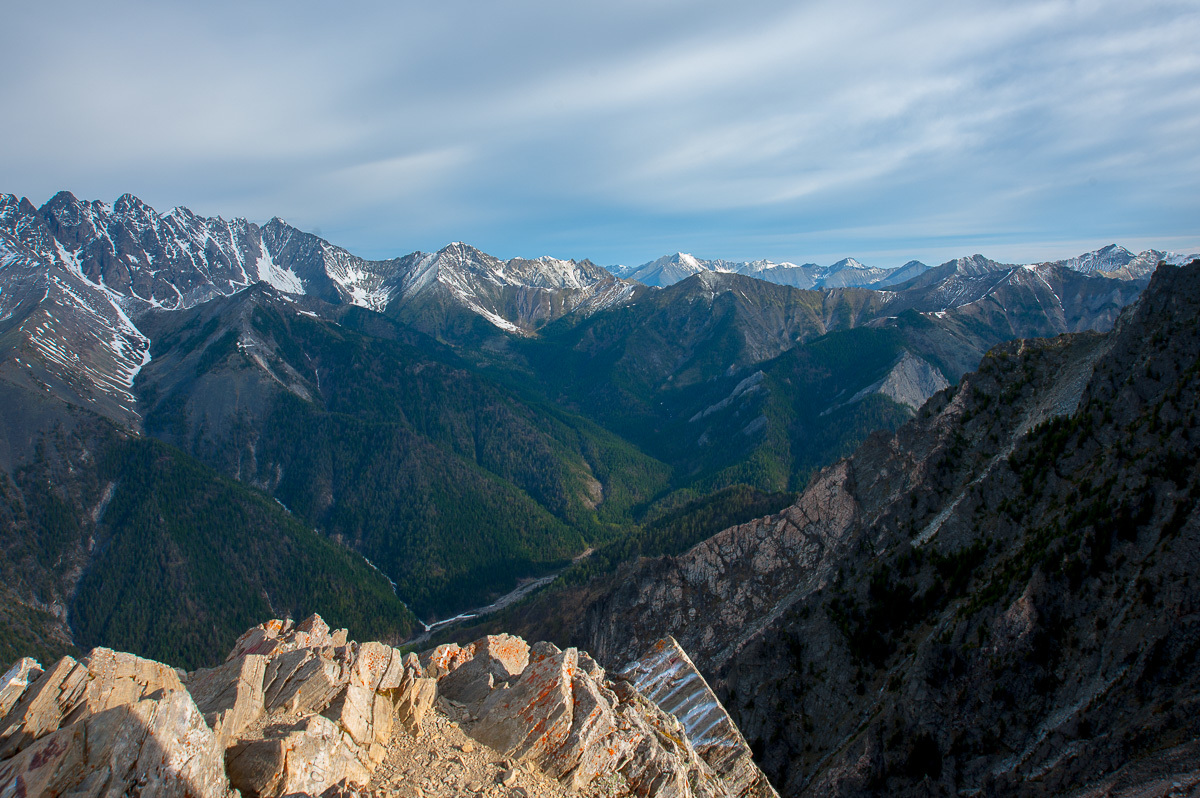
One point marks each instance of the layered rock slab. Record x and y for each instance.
(668, 677)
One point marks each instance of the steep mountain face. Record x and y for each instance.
(1116, 261)
(62, 336)
(516, 296)
(175, 261)
(1015, 301)
(675, 371)
(108, 537)
(996, 598)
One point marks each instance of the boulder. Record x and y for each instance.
(56, 694)
(440, 661)
(494, 659)
(278, 636)
(151, 747)
(116, 678)
(377, 667)
(262, 639)
(312, 632)
(307, 757)
(355, 711)
(593, 747)
(303, 681)
(532, 717)
(230, 696)
(414, 698)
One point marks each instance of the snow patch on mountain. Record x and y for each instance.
(280, 278)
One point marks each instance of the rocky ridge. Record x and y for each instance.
(299, 709)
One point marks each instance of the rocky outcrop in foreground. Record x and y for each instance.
(561, 711)
(299, 709)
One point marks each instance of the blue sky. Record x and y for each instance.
(622, 131)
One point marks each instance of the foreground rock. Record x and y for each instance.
(561, 712)
(294, 709)
(297, 709)
(301, 709)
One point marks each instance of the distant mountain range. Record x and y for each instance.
(178, 260)
(1110, 261)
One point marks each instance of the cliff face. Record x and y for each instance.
(999, 597)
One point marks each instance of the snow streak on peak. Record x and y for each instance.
(73, 338)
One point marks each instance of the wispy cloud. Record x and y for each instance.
(613, 130)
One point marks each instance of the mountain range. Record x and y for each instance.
(1112, 260)
(544, 405)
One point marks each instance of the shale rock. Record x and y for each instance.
(442, 660)
(278, 636)
(308, 756)
(414, 699)
(304, 680)
(322, 714)
(296, 710)
(69, 690)
(495, 659)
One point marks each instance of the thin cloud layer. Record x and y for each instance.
(625, 130)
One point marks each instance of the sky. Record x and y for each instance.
(623, 131)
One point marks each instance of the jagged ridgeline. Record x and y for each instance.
(460, 421)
